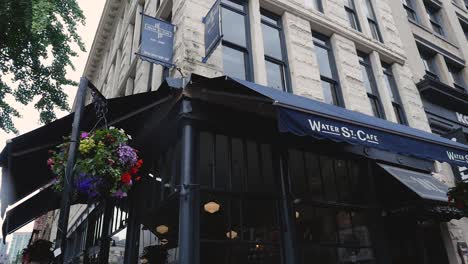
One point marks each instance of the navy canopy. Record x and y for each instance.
(306, 117)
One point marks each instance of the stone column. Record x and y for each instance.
(350, 76)
(305, 75)
(256, 37)
(410, 97)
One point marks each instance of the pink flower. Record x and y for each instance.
(50, 162)
(84, 135)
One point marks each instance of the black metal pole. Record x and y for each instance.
(62, 228)
(188, 236)
(106, 231)
(287, 213)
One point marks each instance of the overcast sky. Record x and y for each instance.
(30, 119)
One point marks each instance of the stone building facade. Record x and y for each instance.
(363, 55)
(434, 35)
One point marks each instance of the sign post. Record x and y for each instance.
(213, 30)
(157, 41)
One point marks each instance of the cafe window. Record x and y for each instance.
(372, 20)
(239, 211)
(328, 74)
(236, 46)
(370, 85)
(351, 13)
(434, 14)
(275, 57)
(328, 233)
(321, 178)
(392, 89)
(408, 5)
(235, 164)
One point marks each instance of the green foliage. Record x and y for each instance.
(105, 165)
(30, 32)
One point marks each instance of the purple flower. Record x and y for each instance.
(119, 194)
(84, 135)
(88, 184)
(127, 155)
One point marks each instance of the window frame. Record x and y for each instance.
(455, 70)
(351, 11)
(433, 13)
(374, 97)
(428, 60)
(284, 62)
(249, 73)
(317, 5)
(408, 6)
(372, 20)
(397, 104)
(334, 81)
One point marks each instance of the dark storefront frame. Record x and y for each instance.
(180, 128)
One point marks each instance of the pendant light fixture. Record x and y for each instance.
(212, 207)
(162, 229)
(231, 234)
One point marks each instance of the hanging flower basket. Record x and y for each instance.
(458, 195)
(105, 165)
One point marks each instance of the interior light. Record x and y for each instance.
(298, 215)
(144, 260)
(211, 207)
(164, 241)
(159, 179)
(162, 229)
(151, 175)
(231, 234)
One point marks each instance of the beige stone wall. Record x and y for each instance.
(121, 72)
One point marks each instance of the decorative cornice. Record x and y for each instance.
(104, 31)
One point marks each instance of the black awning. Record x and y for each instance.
(44, 201)
(306, 117)
(432, 203)
(423, 184)
(23, 160)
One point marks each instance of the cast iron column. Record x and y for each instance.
(188, 237)
(62, 228)
(287, 213)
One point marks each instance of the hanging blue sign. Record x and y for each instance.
(213, 30)
(157, 41)
(304, 124)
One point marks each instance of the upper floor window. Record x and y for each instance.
(370, 14)
(394, 95)
(428, 59)
(409, 8)
(456, 74)
(464, 26)
(433, 12)
(315, 4)
(328, 75)
(275, 57)
(236, 46)
(370, 84)
(350, 9)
